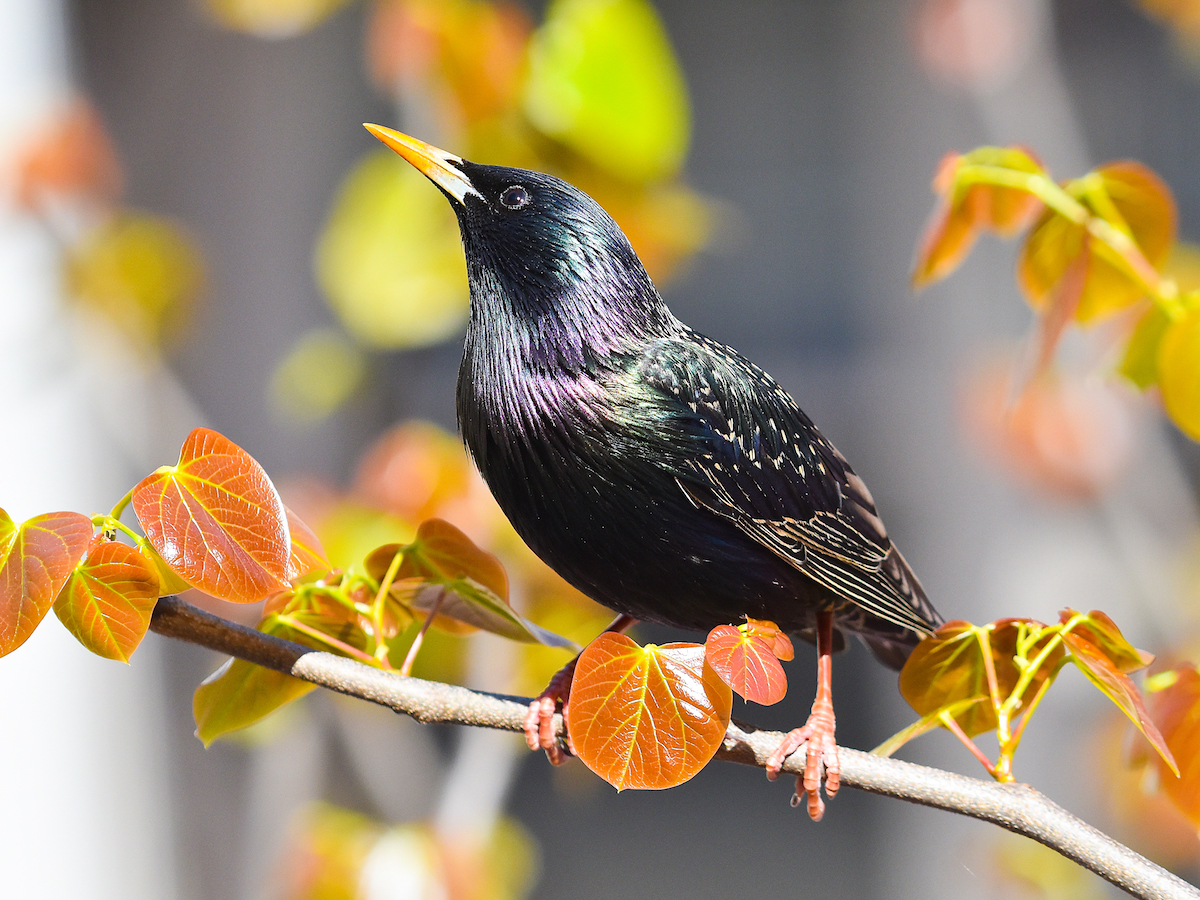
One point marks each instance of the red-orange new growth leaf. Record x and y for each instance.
(747, 659)
(307, 553)
(36, 559)
(963, 661)
(1177, 712)
(645, 717)
(217, 520)
(1103, 655)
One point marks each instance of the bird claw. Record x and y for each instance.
(539, 720)
(820, 763)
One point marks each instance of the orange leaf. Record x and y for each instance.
(646, 717)
(951, 232)
(747, 663)
(307, 553)
(1177, 710)
(107, 601)
(217, 520)
(1067, 435)
(36, 560)
(951, 667)
(72, 157)
(1101, 631)
(442, 553)
(946, 241)
(412, 470)
(780, 643)
(1101, 671)
(1145, 206)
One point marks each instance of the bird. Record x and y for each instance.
(657, 470)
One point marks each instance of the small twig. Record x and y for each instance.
(955, 729)
(1016, 807)
(411, 656)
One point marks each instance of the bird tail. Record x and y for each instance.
(892, 647)
(893, 653)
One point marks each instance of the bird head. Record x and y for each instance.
(547, 266)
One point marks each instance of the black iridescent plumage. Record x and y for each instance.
(657, 470)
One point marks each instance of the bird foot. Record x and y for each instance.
(821, 758)
(539, 720)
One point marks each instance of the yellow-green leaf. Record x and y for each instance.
(271, 18)
(1140, 361)
(140, 271)
(1179, 372)
(239, 693)
(390, 259)
(604, 80)
(1132, 200)
(320, 373)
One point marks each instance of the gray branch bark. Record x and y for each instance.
(1016, 807)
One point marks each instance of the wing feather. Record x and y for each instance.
(758, 461)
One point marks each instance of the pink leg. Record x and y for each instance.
(539, 721)
(817, 732)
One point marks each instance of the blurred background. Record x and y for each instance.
(197, 230)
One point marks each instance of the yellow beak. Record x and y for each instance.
(438, 166)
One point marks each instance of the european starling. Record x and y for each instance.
(657, 470)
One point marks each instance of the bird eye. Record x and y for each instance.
(514, 197)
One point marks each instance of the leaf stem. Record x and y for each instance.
(119, 509)
(327, 640)
(954, 728)
(1033, 704)
(377, 607)
(411, 656)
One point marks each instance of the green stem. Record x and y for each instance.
(377, 607)
(1039, 184)
(1033, 705)
(119, 509)
(111, 523)
(989, 668)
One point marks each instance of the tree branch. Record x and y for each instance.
(1016, 807)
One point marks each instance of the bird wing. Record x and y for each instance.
(754, 458)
